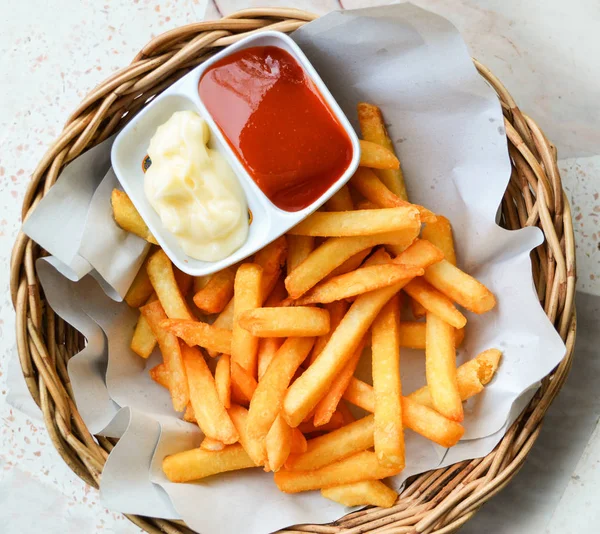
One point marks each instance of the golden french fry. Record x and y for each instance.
(412, 335)
(199, 282)
(298, 321)
(435, 302)
(299, 443)
(140, 289)
(417, 309)
(225, 318)
(357, 223)
(160, 271)
(352, 263)
(361, 466)
(364, 493)
(373, 129)
(334, 252)
(340, 201)
(197, 463)
(128, 218)
(460, 287)
(346, 412)
(268, 397)
(278, 443)
(440, 234)
(272, 259)
(267, 348)
(440, 368)
(209, 444)
(239, 416)
(248, 296)
(215, 295)
(299, 247)
(171, 352)
(209, 411)
(376, 156)
(198, 333)
(243, 381)
(366, 205)
(385, 348)
(359, 281)
(420, 254)
(336, 310)
(159, 374)
(223, 380)
(360, 394)
(143, 340)
(336, 421)
(189, 415)
(184, 281)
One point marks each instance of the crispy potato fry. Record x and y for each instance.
(360, 281)
(198, 333)
(336, 310)
(140, 289)
(171, 352)
(225, 318)
(372, 188)
(346, 412)
(243, 381)
(278, 294)
(435, 302)
(299, 247)
(159, 374)
(267, 348)
(460, 287)
(385, 348)
(268, 397)
(335, 251)
(376, 156)
(340, 201)
(184, 281)
(209, 444)
(329, 403)
(239, 416)
(189, 414)
(360, 394)
(352, 263)
(373, 129)
(420, 254)
(128, 218)
(471, 377)
(143, 340)
(199, 282)
(440, 234)
(272, 259)
(278, 443)
(366, 205)
(223, 380)
(299, 321)
(356, 223)
(299, 443)
(356, 468)
(417, 309)
(209, 411)
(440, 368)
(213, 297)
(165, 285)
(364, 493)
(412, 335)
(336, 421)
(197, 463)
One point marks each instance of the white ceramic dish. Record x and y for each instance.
(269, 222)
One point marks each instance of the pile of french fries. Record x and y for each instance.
(284, 332)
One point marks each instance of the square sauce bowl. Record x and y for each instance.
(267, 221)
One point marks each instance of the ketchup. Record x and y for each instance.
(277, 122)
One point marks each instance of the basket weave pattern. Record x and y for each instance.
(438, 501)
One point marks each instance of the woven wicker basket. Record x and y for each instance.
(439, 501)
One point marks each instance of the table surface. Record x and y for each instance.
(53, 53)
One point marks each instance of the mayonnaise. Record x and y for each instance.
(194, 190)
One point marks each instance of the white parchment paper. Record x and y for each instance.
(447, 126)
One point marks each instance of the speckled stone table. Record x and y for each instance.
(53, 53)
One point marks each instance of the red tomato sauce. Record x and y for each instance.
(277, 122)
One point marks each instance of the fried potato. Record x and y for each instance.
(198, 333)
(278, 443)
(352, 263)
(128, 218)
(267, 348)
(299, 443)
(376, 156)
(360, 394)
(159, 374)
(272, 259)
(299, 321)
(346, 412)
(336, 421)
(184, 281)
(366, 205)
(189, 415)
(421, 253)
(365, 493)
(340, 201)
(440, 234)
(223, 380)
(242, 382)
(215, 295)
(140, 289)
(209, 444)
(143, 340)
(336, 310)
(435, 302)
(412, 335)
(197, 463)
(299, 247)
(225, 318)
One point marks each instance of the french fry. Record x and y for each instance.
(199, 282)
(360, 281)
(372, 188)
(299, 443)
(361, 466)
(209, 411)
(340, 201)
(357, 223)
(346, 412)
(299, 321)
(165, 285)
(267, 348)
(364, 493)
(213, 297)
(189, 415)
(268, 396)
(360, 394)
(412, 335)
(278, 443)
(335, 251)
(143, 340)
(209, 444)
(272, 259)
(366, 205)
(197, 463)
(440, 234)
(140, 289)
(171, 352)
(184, 281)
(278, 294)
(335, 446)
(198, 333)
(243, 381)
(159, 374)
(299, 247)
(239, 416)
(223, 380)
(376, 156)
(128, 218)
(373, 129)
(435, 302)
(329, 403)
(336, 310)
(248, 296)
(421, 253)
(417, 309)
(225, 318)
(352, 263)
(440, 368)
(460, 287)
(336, 421)
(385, 348)
(471, 377)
